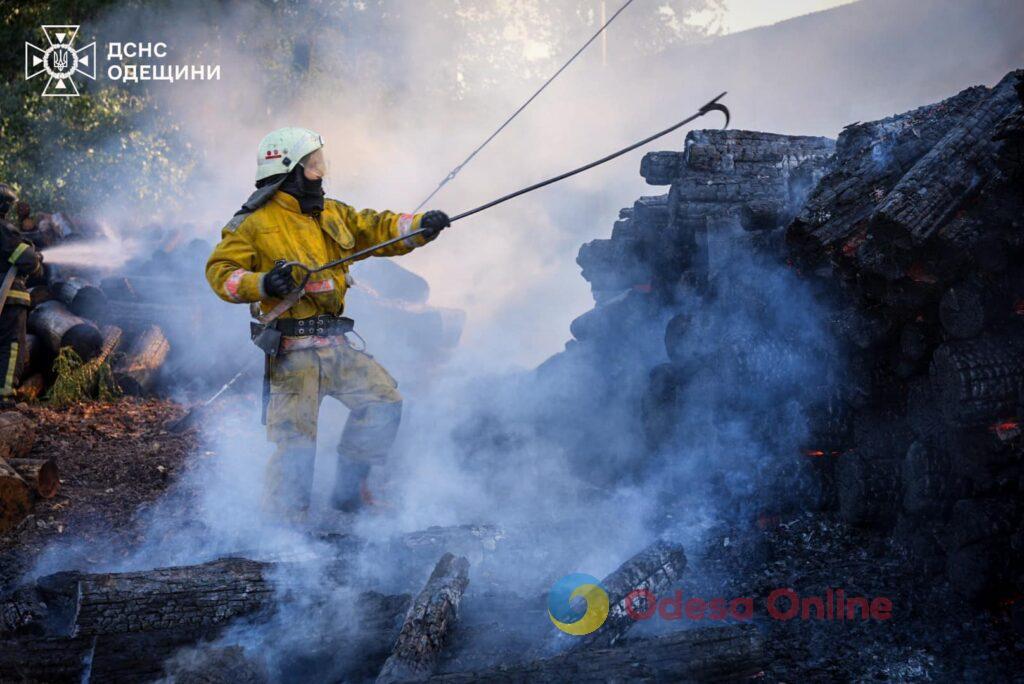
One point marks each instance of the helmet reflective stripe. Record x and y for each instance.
(282, 149)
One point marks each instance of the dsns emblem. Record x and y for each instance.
(60, 61)
(574, 620)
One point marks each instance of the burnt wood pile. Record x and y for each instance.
(918, 228)
(727, 190)
(176, 622)
(908, 230)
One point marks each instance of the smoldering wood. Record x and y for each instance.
(41, 475)
(150, 289)
(32, 387)
(977, 383)
(85, 604)
(719, 654)
(139, 370)
(17, 435)
(926, 475)
(982, 518)
(981, 571)
(659, 404)
(470, 540)
(870, 159)
(869, 488)
(80, 296)
(216, 665)
(112, 336)
(965, 310)
(58, 327)
(122, 626)
(15, 498)
(135, 317)
(656, 568)
(949, 173)
(428, 623)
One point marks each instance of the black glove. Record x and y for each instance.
(278, 282)
(433, 223)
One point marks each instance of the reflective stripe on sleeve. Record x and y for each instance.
(18, 251)
(405, 223)
(234, 283)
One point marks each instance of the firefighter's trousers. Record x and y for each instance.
(299, 380)
(12, 348)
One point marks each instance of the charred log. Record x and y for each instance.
(704, 655)
(926, 479)
(978, 382)
(81, 297)
(82, 604)
(428, 624)
(139, 370)
(58, 327)
(965, 310)
(659, 405)
(654, 569)
(869, 489)
(949, 173)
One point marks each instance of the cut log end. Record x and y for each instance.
(15, 498)
(41, 474)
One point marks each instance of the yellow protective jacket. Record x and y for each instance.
(278, 230)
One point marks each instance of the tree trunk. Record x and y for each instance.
(655, 569)
(41, 474)
(428, 624)
(719, 654)
(138, 372)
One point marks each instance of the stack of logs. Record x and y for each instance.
(101, 323)
(22, 479)
(917, 226)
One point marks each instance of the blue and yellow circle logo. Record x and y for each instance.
(573, 620)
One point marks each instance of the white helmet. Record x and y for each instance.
(282, 149)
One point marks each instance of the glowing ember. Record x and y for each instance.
(1006, 429)
(919, 274)
(817, 453)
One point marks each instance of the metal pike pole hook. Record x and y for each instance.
(712, 106)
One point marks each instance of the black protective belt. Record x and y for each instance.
(321, 326)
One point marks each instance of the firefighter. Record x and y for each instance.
(288, 218)
(20, 260)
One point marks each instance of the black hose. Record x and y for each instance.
(711, 106)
